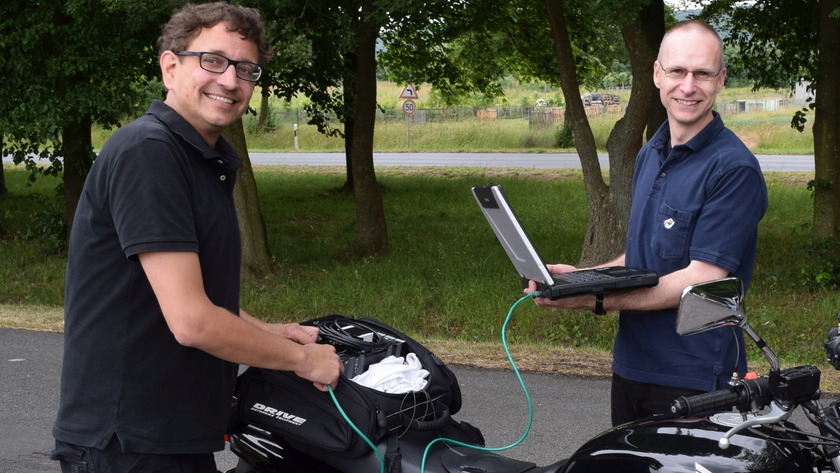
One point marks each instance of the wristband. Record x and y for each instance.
(599, 305)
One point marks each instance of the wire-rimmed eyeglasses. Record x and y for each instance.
(216, 63)
(679, 73)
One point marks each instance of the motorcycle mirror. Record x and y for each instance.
(717, 303)
(711, 304)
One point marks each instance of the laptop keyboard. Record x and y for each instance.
(582, 276)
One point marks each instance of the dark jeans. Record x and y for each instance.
(633, 400)
(111, 459)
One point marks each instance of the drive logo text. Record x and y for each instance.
(277, 414)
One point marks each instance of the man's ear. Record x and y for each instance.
(656, 72)
(168, 64)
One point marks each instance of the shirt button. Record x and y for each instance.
(662, 175)
(222, 177)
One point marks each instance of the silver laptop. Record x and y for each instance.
(525, 257)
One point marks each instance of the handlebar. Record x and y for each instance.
(746, 394)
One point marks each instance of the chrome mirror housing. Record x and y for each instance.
(718, 303)
(711, 304)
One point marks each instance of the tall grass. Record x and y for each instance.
(446, 276)
(771, 133)
(32, 270)
(452, 136)
(763, 132)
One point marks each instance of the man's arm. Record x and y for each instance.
(295, 332)
(664, 295)
(198, 323)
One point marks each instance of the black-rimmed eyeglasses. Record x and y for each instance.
(216, 63)
(679, 73)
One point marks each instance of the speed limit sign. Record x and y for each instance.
(409, 107)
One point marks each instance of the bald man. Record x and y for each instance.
(698, 196)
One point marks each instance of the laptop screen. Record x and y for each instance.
(510, 233)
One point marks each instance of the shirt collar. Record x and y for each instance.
(188, 133)
(698, 142)
(707, 134)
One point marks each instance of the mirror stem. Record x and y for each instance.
(768, 352)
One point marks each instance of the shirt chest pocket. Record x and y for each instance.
(671, 233)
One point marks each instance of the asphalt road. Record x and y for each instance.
(769, 162)
(567, 411)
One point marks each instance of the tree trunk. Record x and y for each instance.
(349, 83)
(262, 121)
(608, 207)
(597, 245)
(4, 191)
(644, 111)
(76, 148)
(256, 254)
(827, 131)
(371, 231)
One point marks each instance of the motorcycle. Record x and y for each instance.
(744, 427)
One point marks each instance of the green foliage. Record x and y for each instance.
(74, 59)
(310, 56)
(797, 262)
(825, 268)
(33, 212)
(768, 52)
(565, 137)
(318, 50)
(47, 223)
(811, 264)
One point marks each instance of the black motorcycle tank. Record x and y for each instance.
(688, 446)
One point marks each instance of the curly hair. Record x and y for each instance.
(186, 24)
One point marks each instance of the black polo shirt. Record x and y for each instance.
(156, 186)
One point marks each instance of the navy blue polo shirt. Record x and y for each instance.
(702, 201)
(156, 186)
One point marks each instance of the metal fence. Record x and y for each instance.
(536, 116)
(754, 105)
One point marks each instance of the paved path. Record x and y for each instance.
(492, 160)
(774, 162)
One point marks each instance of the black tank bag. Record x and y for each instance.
(308, 419)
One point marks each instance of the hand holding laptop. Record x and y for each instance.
(583, 302)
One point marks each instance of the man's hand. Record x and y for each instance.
(302, 334)
(579, 302)
(553, 269)
(322, 366)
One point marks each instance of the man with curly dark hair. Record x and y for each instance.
(153, 327)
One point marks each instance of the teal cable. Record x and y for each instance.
(350, 422)
(456, 442)
(521, 383)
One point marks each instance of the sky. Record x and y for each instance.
(683, 4)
